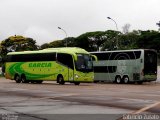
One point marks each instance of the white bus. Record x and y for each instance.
(124, 66)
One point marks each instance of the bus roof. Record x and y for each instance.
(121, 51)
(70, 50)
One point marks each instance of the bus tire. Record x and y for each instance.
(140, 82)
(39, 81)
(77, 83)
(60, 80)
(125, 79)
(32, 81)
(118, 79)
(23, 79)
(17, 78)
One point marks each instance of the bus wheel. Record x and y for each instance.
(60, 80)
(77, 83)
(23, 79)
(32, 81)
(17, 79)
(39, 81)
(126, 79)
(140, 82)
(118, 79)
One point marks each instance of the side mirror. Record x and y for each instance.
(94, 58)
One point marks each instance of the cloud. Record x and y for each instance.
(40, 18)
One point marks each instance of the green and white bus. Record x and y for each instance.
(124, 66)
(68, 64)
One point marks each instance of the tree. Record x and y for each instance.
(70, 41)
(126, 28)
(54, 44)
(91, 41)
(129, 40)
(149, 40)
(96, 39)
(57, 43)
(111, 40)
(83, 42)
(17, 43)
(45, 45)
(158, 25)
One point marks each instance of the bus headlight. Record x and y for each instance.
(76, 76)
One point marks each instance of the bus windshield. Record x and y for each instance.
(150, 62)
(84, 63)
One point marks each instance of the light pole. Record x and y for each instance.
(65, 34)
(114, 22)
(116, 29)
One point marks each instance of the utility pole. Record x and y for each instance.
(117, 45)
(65, 34)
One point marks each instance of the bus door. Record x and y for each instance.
(150, 65)
(66, 60)
(70, 68)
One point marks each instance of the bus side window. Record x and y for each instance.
(65, 59)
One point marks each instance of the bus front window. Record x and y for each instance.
(84, 63)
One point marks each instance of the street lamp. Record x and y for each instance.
(114, 22)
(65, 34)
(116, 28)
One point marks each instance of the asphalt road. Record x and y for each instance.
(86, 101)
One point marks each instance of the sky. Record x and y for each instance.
(40, 19)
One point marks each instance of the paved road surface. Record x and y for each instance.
(86, 101)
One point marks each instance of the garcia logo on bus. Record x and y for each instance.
(40, 64)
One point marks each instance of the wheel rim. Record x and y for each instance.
(126, 80)
(61, 81)
(23, 80)
(118, 80)
(17, 79)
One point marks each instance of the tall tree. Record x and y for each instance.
(57, 43)
(129, 40)
(149, 40)
(158, 25)
(83, 42)
(17, 43)
(70, 41)
(112, 41)
(45, 45)
(125, 28)
(93, 41)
